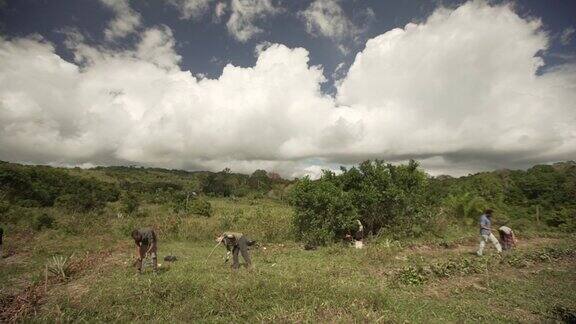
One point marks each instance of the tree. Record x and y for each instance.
(323, 211)
(218, 184)
(260, 181)
(379, 195)
(130, 203)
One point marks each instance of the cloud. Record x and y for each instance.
(458, 91)
(126, 20)
(566, 35)
(463, 86)
(245, 14)
(220, 10)
(326, 18)
(191, 9)
(137, 106)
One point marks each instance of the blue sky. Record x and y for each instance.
(204, 36)
(206, 46)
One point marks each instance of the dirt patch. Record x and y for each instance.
(25, 303)
(12, 257)
(15, 307)
(75, 291)
(469, 246)
(446, 287)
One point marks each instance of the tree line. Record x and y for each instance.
(399, 199)
(405, 201)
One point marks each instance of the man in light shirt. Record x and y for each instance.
(486, 232)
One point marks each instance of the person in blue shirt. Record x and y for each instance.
(486, 232)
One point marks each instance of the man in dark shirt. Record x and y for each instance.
(147, 244)
(237, 243)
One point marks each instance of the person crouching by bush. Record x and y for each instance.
(236, 243)
(358, 238)
(507, 237)
(147, 244)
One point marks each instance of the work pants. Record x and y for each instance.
(241, 246)
(142, 255)
(485, 238)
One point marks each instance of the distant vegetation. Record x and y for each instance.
(396, 200)
(404, 201)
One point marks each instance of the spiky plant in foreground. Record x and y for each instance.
(59, 266)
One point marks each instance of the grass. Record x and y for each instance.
(288, 284)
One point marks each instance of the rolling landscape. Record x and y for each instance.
(68, 254)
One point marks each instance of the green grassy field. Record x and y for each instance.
(388, 281)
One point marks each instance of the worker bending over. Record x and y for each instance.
(236, 243)
(507, 237)
(147, 244)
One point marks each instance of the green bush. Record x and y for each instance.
(201, 206)
(464, 205)
(564, 219)
(130, 203)
(323, 211)
(79, 203)
(38, 186)
(381, 196)
(42, 220)
(4, 207)
(412, 275)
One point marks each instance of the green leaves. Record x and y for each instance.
(323, 211)
(378, 194)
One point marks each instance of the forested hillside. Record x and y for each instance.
(402, 199)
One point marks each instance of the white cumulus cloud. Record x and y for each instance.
(126, 20)
(220, 10)
(191, 9)
(463, 86)
(326, 18)
(458, 91)
(245, 14)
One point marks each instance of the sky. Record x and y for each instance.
(292, 87)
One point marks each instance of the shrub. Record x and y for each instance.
(464, 206)
(564, 219)
(42, 220)
(381, 196)
(323, 211)
(79, 203)
(59, 267)
(35, 186)
(4, 206)
(130, 203)
(412, 275)
(200, 206)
